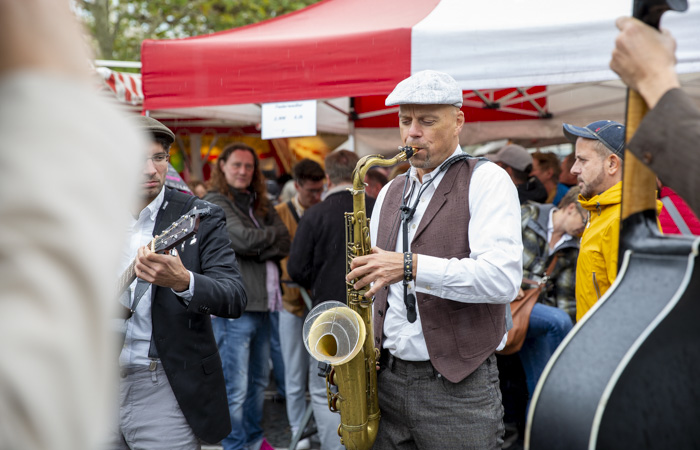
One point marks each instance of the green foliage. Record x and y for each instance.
(118, 27)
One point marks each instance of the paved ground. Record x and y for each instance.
(275, 424)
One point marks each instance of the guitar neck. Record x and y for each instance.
(175, 234)
(127, 277)
(639, 182)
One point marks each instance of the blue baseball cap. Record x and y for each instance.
(610, 133)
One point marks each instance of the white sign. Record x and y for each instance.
(289, 119)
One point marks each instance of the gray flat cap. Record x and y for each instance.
(155, 128)
(427, 87)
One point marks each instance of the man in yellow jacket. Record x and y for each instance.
(600, 149)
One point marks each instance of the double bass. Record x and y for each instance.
(627, 374)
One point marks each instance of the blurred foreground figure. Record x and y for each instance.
(67, 173)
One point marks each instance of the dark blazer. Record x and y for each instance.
(667, 141)
(183, 334)
(317, 258)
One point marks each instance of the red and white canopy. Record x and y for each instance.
(356, 48)
(125, 86)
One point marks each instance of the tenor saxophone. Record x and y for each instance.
(343, 335)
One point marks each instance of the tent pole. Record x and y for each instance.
(352, 117)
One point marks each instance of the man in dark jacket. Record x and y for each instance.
(172, 392)
(667, 138)
(317, 262)
(317, 258)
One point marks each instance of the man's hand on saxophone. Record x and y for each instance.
(379, 267)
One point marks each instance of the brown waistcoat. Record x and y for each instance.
(459, 336)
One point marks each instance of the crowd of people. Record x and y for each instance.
(455, 239)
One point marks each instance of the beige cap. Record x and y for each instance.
(512, 155)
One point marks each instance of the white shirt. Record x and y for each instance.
(492, 273)
(139, 328)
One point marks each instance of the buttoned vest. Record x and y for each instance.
(459, 336)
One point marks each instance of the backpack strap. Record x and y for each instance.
(293, 210)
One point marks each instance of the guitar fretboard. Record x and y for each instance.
(177, 232)
(127, 277)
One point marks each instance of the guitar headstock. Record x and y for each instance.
(650, 11)
(180, 230)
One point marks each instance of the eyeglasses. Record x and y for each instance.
(159, 158)
(584, 216)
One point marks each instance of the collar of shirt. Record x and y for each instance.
(297, 205)
(152, 208)
(339, 188)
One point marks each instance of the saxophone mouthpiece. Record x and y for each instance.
(408, 150)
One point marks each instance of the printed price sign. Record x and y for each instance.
(289, 119)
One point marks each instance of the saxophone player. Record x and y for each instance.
(445, 262)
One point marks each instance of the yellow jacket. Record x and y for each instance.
(596, 267)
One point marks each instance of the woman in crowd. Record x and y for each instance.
(260, 241)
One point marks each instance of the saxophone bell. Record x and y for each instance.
(333, 333)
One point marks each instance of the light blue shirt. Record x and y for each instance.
(139, 327)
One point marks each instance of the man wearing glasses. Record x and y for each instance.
(172, 393)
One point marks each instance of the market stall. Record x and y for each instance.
(356, 48)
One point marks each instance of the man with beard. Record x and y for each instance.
(446, 261)
(172, 393)
(600, 149)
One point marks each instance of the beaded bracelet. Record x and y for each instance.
(408, 266)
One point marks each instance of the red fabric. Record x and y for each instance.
(668, 226)
(335, 48)
(373, 103)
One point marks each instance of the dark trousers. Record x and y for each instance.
(422, 410)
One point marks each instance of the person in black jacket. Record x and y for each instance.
(317, 262)
(172, 393)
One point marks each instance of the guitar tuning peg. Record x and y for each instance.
(193, 241)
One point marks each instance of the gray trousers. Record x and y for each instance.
(149, 415)
(422, 410)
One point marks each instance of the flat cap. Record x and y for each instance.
(427, 87)
(155, 128)
(513, 156)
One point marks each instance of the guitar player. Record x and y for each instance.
(172, 391)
